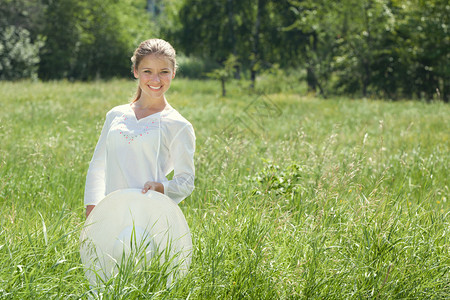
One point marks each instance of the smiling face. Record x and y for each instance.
(155, 73)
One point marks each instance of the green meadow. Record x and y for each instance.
(296, 197)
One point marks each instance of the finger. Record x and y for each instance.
(148, 186)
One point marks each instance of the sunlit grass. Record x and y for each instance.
(296, 197)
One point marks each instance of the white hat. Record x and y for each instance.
(130, 226)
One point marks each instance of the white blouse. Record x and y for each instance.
(131, 152)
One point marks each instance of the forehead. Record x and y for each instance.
(154, 61)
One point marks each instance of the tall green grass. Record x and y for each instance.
(296, 197)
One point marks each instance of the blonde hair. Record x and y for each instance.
(152, 46)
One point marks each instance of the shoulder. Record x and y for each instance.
(117, 111)
(174, 120)
(175, 126)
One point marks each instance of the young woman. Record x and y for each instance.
(143, 141)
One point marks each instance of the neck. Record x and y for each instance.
(152, 104)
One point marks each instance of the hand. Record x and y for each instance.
(154, 186)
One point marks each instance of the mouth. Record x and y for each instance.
(155, 88)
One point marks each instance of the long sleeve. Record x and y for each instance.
(181, 151)
(95, 179)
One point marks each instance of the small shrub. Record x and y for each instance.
(273, 179)
(19, 57)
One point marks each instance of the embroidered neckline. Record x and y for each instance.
(149, 124)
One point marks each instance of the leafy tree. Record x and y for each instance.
(215, 29)
(19, 38)
(62, 33)
(226, 73)
(18, 55)
(25, 14)
(425, 34)
(105, 44)
(385, 47)
(92, 39)
(317, 30)
(365, 24)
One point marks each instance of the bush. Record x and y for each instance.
(194, 67)
(19, 57)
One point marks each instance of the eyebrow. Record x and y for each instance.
(152, 69)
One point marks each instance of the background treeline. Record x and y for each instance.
(382, 48)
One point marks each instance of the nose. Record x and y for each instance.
(155, 78)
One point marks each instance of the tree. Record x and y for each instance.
(19, 38)
(92, 39)
(19, 57)
(425, 33)
(226, 73)
(25, 14)
(62, 35)
(365, 24)
(315, 25)
(214, 30)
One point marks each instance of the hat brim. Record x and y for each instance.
(131, 223)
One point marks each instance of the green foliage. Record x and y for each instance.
(208, 28)
(367, 23)
(92, 39)
(425, 30)
(226, 73)
(383, 48)
(193, 67)
(58, 56)
(25, 14)
(311, 19)
(19, 57)
(280, 181)
(19, 39)
(372, 48)
(215, 30)
(79, 39)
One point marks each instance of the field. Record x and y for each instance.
(296, 197)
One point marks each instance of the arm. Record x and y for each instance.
(181, 150)
(95, 178)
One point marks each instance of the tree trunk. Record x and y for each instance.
(445, 89)
(365, 77)
(310, 79)
(231, 27)
(255, 46)
(366, 58)
(312, 74)
(224, 91)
